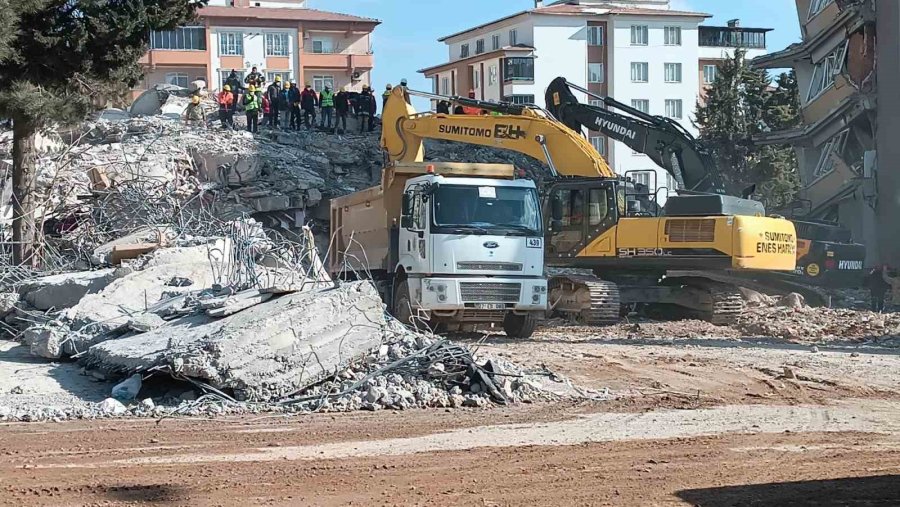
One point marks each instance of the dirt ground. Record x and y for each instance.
(690, 421)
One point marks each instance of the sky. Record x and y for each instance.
(406, 41)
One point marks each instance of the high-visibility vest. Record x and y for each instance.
(326, 98)
(251, 103)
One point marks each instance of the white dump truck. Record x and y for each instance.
(448, 244)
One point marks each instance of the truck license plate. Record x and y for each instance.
(490, 306)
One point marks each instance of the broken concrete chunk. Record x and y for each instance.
(226, 168)
(145, 322)
(45, 341)
(111, 406)
(65, 290)
(158, 235)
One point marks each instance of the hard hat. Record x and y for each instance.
(251, 88)
(287, 86)
(344, 88)
(227, 88)
(403, 82)
(389, 87)
(195, 99)
(308, 85)
(277, 78)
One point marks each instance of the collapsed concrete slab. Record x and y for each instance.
(65, 290)
(226, 168)
(265, 353)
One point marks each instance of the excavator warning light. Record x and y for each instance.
(429, 169)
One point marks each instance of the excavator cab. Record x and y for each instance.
(581, 210)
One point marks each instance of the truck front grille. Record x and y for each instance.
(490, 292)
(691, 231)
(489, 266)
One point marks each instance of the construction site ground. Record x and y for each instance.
(690, 419)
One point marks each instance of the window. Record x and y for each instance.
(598, 103)
(177, 79)
(436, 85)
(817, 6)
(709, 74)
(322, 46)
(188, 38)
(832, 149)
(673, 109)
(712, 36)
(445, 86)
(513, 37)
(493, 74)
(476, 77)
(464, 51)
(642, 177)
(642, 105)
(223, 76)
(595, 35)
(598, 206)
(673, 36)
(231, 44)
(640, 72)
(823, 74)
(285, 76)
(595, 73)
(277, 44)
(495, 42)
(671, 184)
(518, 69)
(639, 36)
(479, 46)
(599, 144)
(320, 82)
(673, 72)
(520, 99)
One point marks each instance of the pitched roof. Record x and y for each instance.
(567, 9)
(289, 14)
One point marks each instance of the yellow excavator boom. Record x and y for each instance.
(404, 130)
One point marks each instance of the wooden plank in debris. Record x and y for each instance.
(133, 251)
(99, 179)
(239, 302)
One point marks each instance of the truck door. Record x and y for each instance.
(579, 214)
(413, 238)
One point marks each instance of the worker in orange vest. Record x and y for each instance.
(474, 111)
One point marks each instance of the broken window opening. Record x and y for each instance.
(825, 71)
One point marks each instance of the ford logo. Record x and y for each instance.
(491, 244)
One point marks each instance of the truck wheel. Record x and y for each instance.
(402, 309)
(519, 326)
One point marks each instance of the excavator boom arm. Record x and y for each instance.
(404, 131)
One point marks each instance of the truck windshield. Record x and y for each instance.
(487, 210)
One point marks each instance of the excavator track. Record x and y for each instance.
(585, 299)
(717, 302)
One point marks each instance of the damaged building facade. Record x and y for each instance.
(281, 38)
(838, 145)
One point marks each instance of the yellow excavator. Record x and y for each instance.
(606, 241)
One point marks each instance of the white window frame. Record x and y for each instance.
(597, 103)
(599, 144)
(445, 86)
(635, 103)
(595, 36)
(817, 6)
(596, 73)
(715, 74)
(640, 35)
(675, 109)
(833, 148)
(476, 78)
(493, 74)
(520, 98)
(176, 78)
(671, 184)
(320, 81)
(326, 46)
(825, 70)
(672, 36)
(513, 37)
(278, 44)
(640, 72)
(285, 75)
(233, 47)
(672, 72)
(183, 38)
(464, 50)
(495, 42)
(642, 177)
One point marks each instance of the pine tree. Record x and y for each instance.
(740, 104)
(53, 55)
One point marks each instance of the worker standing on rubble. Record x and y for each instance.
(193, 114)
(294, 99)
(878, 287)
(342, 108)
(255, 78)
(326, 103)
(308, 102)
(233, 81)
(251, 107)
(226, 107)
(284, 106)
(272, 92)
(364, 108)
(386, 95)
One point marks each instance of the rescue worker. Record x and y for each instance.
(194, 114)
(284, 106)
(308, 102)
(474, 111)
(226, 107)
(893, 280)
(326, 103)
(272, 92)
(251, 107)
(386, 95)
(342, 108)
(266, 109)
(443, 107)
(364, 104)
(294, 98)
(233, 81)
(878, 287)
(255, 78)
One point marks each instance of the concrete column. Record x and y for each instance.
(887, 145)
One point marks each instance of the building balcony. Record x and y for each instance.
(337, 60)
(169, 57)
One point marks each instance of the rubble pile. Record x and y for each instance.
(790, 319)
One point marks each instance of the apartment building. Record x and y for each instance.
(640, 52)
(718, 43)
(849, 123)
(279, 37)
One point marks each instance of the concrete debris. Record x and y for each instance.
(112, 406)
(805, 324)
(65, 290)
(128, 389)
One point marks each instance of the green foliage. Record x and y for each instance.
(742, 103)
